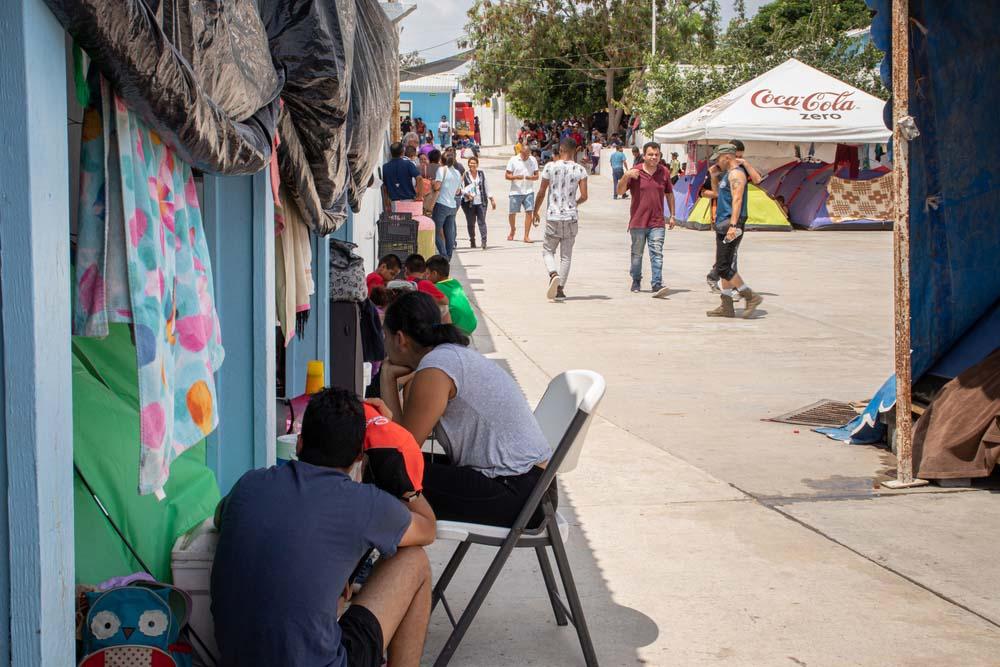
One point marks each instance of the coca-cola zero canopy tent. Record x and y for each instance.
(792, 102)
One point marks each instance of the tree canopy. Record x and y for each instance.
(813, 31)
(556, 58)
(559, 58)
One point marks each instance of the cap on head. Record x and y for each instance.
(722, 149)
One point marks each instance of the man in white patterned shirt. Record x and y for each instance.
(560, 180)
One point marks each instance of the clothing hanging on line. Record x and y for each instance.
(142, 258)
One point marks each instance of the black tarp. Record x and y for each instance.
(313, 42)
(125, 41)
(376, 63)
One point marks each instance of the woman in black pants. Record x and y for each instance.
(495, 450)
(475, 194)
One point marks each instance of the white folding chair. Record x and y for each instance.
(564, 415)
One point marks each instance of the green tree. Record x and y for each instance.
(813, 31)
(571, 57)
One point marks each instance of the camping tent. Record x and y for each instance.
(791, 103)
(765, 215)
(804, 187)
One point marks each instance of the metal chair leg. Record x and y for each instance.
(550, 585)
(449, 572)
(569, 585)
(476, 602)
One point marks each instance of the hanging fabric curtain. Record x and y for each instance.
(293, 268)
(142, 259)
(218, 114)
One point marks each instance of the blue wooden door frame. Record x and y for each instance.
(36, 425)
(239, 226)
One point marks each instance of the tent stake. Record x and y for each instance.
(901, 249)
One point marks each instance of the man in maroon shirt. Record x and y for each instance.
(649, 185)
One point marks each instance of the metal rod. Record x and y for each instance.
(654, 27)
(901, 245)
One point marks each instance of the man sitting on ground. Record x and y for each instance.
(289, 539)
(462, 316)
(387, 270)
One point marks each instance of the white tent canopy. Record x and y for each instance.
(792, 102)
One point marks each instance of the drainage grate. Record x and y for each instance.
(820, 413)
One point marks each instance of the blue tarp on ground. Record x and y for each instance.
(954, 182)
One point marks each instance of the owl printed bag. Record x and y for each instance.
(137, 626)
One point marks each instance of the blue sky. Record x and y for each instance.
(437, 21)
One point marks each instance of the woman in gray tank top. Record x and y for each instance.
(495, 449)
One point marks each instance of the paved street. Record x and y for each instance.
(701, 534)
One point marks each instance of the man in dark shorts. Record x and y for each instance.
(290, 538)
(730, 221)
(709, 191)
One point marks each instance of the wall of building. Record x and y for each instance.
(430, 107)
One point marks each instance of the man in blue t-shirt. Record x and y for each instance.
(618, 161)
(290, 538)
(401, 180)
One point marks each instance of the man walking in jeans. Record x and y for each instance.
(649, 185)
(560, 180)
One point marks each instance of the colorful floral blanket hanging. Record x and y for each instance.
(142, 258)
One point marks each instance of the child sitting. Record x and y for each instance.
(387, 270)
(462, 316)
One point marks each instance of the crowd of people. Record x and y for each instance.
(359, 545)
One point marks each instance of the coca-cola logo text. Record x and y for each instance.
(819, 105)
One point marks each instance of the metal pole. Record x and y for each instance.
(654, 27)
(901, 246)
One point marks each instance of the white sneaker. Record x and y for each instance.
(661, 293)
(554, 284)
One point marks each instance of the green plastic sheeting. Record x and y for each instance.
(106, 449)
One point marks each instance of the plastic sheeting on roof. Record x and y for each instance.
(313, 41)
(792, 102)
(229, 135)
(376, 64)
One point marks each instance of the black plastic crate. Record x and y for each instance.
(397, 234)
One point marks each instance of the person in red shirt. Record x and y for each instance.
(649, 185)
(387, 270)
(416, 273)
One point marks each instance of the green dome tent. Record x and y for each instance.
(765, 213)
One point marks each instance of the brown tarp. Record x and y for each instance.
(959, 434)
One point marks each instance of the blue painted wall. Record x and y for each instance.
(239, 226)
(430, 107)
(36, 428)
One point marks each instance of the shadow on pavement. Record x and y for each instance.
(515, 625)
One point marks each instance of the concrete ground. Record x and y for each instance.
(702, 535)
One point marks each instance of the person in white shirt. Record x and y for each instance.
(522, 172)
(444, 132)
(595, 153)
(561, 180)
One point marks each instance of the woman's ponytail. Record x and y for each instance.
(416, 315)
(444, 334)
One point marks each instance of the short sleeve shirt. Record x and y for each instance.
(488, 426)
(648, 192)
(564, 177)
(289, 539)
(618, 159)
(451, 182)
(398, 175)
(522, 169)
